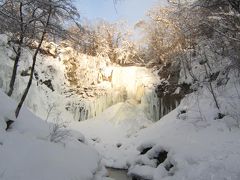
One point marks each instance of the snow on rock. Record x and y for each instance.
(194, 141)
(26, 152)
(142, 172)
(132, 78)
(78, 86)
(197, 143)
(199, 146)
(110, 132)
(144, 147)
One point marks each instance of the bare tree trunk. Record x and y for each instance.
(213, 95)
(210, 88)
(17, 111)
(28, 85)
(235, 4)
(14, 72)
(18, 54)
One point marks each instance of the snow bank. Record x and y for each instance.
(200, 144)
(192, 142)
(27, 153)
(110, 132)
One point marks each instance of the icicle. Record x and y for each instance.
(133, 83)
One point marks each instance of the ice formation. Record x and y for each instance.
(127, 83)
(81, 86)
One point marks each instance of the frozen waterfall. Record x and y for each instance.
(128, 83)
(97, 85)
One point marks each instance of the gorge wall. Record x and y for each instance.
(79, 87)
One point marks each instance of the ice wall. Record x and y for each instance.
(156, 107)
(132, 79)
(136, 84)
(151, 105)
(127, 83)
(89, 108)
(117, 83)
(140, 85)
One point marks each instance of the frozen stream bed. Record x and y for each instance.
(113, 133)
(195, 148)
(117, 174)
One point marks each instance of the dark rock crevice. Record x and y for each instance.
(170, 92)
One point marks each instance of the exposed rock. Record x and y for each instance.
(152, 63)
(81, 139)
(26, 72)
(71, 74)
(169, 166)
(36, 75)
(9, 124)
(119, 145)
(96, 139)
(145, 150)
(47, 48)
(51, 48)
(135, 177)
(169, 91)
(162, 156)
(220, 116)
(48, 83)
(182, 113)
(170, 72)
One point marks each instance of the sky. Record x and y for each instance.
(128, 10)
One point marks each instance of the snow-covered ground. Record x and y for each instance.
(198, 144)
(192, 142)
(28, 150)
(112, 132)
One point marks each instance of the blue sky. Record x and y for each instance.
(130, 10)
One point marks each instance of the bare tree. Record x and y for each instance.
(59, 131)
(54, 11)
(235, 4)
(163, 35)
(18, 21)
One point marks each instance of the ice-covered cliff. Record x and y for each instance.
(77, 86)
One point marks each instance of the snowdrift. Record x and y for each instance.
(26, 152)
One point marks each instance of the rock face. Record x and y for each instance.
(93, 84)
(48, 83)
(132, 83)
(169, 91)
(48, 48)
(84, 86)
(152, 157)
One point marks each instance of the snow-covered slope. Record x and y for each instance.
(110, 132)
(194, 141)
(27, 152)
(199, 144)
